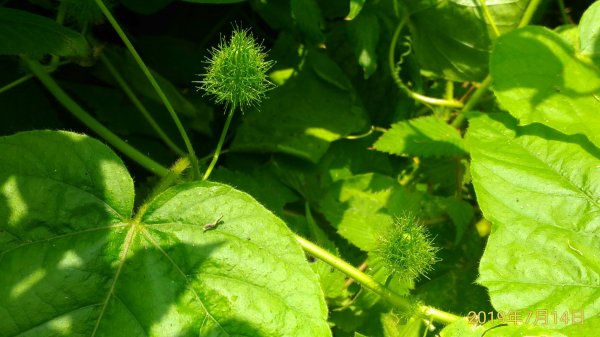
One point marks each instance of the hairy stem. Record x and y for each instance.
(77, 111)
(138, 104)
(367, 281)
(395, 69)
(154, 83)
(213, 162)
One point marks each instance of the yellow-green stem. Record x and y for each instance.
(111, 19)
(77, 111)
(394, 71)
(529, 12)
(368, 282)
(488, 17)
(213, 162)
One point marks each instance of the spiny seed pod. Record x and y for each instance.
(236, 71)
(406, 248)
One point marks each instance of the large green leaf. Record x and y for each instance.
(538, 78)
(304, 115)
(307, 15)
(363, 34)
(452, 38)
(26, 33)
(146, 6)
(589, 32)
(361, 206)
(541, 191)
(426, 136)
(214, 1)
(74, 262)
(463, 328)
(131, 72)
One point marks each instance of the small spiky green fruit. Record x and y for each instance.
(406, 248)
(236, 74)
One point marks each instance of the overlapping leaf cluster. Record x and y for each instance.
(330, 147)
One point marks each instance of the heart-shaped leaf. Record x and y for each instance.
(538, 78)
(541, 191)
(201, 259)
(452, 38)
(26, 33)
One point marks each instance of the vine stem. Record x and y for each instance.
(473, 100)
(154, 83)
(394, 71)
(77, 111)
(16, 82)
(529, 11)
(138, 104)
(367, 281)
(213, 162)
(488, 16)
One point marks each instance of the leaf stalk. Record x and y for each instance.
(155, 85)
(367, 281)
(89, 121)
(394, 69)
(213, 162)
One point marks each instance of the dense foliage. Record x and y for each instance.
(300, 168)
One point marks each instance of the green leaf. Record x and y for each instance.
(459, 51)
(361, 206)
(146, 6)
(538, 78)
(261, 184)
(214, 1)
(328, 70)
(425, 136)
(276, 13)
(332, 280)
(355, 8)
(363, 34)
(541, 191)
(307, 15)
(522, 330)
(75, 263)
(136, 79)
(301, 118)
(584, 329)
(26, 33)
(589, 32)
(462, 328)
(461, 213)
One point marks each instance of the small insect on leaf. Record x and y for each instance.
(212, 225)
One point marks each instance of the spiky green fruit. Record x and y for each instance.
(237, 71)
(406, 248)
